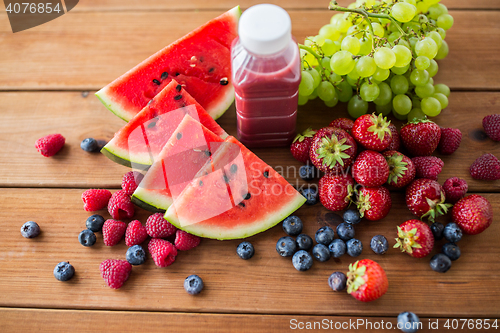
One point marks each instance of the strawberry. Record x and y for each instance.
(485, 167)
(366, 280)
(428, 166)
(420, 137)
(158, 227)
(401, 169)
(425, 198)
(115, 272)
(395, 143)
(50, 144)
(335, 191)
(370, 169)
(415, 238)
(332, 150)
(185, 241)
(113, 231)
(343, 123)
(130, 181)
(491, 126)
(372, 132)
(450, 140)
(95, 199)
(374, 203)
(120, 206)
(135, 233)
(473, 214)
(454, 189)
(301, 145)
(162, 251)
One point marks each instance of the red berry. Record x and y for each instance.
(415, 238)
(473, 214)
(370, 169)
(428, 166)
(158, 227)
(332, 150)
(450, 140)
(120, 206)
(454, 189)
(425, 198)
(491, 126)
(343, 123)
(185, 241)
(113, 231)
(115, 272)
(49, 145)
(395, 143)
(135, 234)
(130, 181)
(485, 167)
(301, 145)
(366, 280)
(95, 199)
(162, 251)
(335, 191)
(401, 169)
(421, 137)
(372, 132)
(374, 203)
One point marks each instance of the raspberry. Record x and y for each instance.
(428, 166)
(158, 227)
(485, 167)
(450, 140)
(491, 126)
(135, 234)
(95, 199)
(162, 251)
(130, 181)
(113, 231)
(49, 145)
(185, 241)
(455, 189)
(120, 206)
(395, 143)
(115, 272)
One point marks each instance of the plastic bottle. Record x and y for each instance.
(266, 76)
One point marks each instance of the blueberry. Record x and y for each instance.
(440, 263)
(379, 244)
(64, 271)
(193, 284)
(337, 248)
(451, 250)
(354, 247)
(30, 229)
(245, 250)
(292, 225)
(337, 281)
(324, 235)
(345, 231)
(302, 260)
(304, 242)
(286, 246)
(90, 145)
(136, 255)
(311, 195)
(352, 216)
(452, 232)
(321, 252)
(95, 223)
(307, 172)
(87, 237)
(409, 322)
(437, 230)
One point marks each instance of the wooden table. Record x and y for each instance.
(48, 75)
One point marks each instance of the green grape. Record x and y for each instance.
(378, 30)
(436, 37)
(329, 47)
(427, 90)
(342, 62)
(441, 33)
(412, 26)
(326, 91)
(325, 63)
(413, 2)
(381, 74)
(393, 36)
(309, 59)
(303, 100)
(354, 73)
(344, 91)
(320, 40)
(398, 116)
(443, 51)
(401, 104)
(400, 70)
(442, 89)
(445, 21)
(385, 58)
(426, 47)
(306, 86)
(335, 78)
(416, 114)
(422, 63)
(443, 100)
(418, 77)
(314, 94)
(369, 91)
(343, 24)
(332, 102)
(354, 31)
(308, 42)
(352, 82)
(422, 7)
(350, 44)
(329, 31)
(335, 18)
(413, 41)
(365, 45)
(415, 100)
(402, 42)
(431, 81)
(315, 75)
(437, 10)
(366, 66)
(385, 95)
(357, 107)
(384, 109)
(433, 68)
(430, 106)
(431, 2)
(403, 55)
(399, 84)
(403, 12)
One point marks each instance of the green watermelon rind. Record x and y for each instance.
(145, 200)
(270, 221)
(122, 156)
(106, 101)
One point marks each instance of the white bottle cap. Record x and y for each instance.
(265, 29)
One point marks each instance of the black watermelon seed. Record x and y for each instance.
(177, 74)
(201, 183)
(177, 97)
(266, 174)
(164, 75)
(211, 70)
(234, 168)
(242, 204)
(224, 81)
(226, 179)
(208, 153)
(201, 59)
(151, 125)
(248, 196)
(178, 88)
(179, 136)
(155, 81)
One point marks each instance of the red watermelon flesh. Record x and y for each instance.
(140, 141)
(200, 61)
(184, 154)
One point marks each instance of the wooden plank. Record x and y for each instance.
(26, 116)
(266, 284)
(52, 321)
(88, 50)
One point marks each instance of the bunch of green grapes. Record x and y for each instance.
(383, 52)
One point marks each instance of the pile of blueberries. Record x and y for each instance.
(450, 251)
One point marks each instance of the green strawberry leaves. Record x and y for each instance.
(332, 150)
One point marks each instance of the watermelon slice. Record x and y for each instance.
(200, 61)
(241, 197)
(140, 141)
(184, 154)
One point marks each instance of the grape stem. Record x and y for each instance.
(317, 56)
